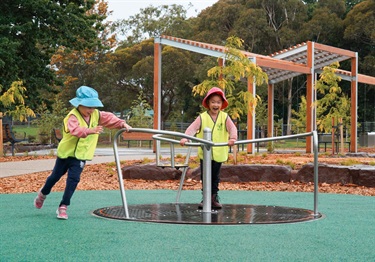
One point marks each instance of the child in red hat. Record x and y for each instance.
(223, 130)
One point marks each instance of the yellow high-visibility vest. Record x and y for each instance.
(219, 135)
(80, 148)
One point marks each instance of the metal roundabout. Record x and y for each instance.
(188, 213)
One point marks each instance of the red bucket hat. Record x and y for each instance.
(217, 91)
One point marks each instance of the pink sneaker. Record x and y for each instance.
(61, 212)
(39, 200)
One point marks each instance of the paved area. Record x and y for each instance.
(102, 155)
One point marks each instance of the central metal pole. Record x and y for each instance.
(207, 135)
(316, 172)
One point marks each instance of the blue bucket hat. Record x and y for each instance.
(86, 96)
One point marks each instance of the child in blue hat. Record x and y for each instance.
(81, 130)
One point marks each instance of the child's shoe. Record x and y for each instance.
(61, 212)
(39, 200)
(200, 206)
(215, 202)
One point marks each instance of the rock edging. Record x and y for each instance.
(361, 175)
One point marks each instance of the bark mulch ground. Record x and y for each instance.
(104, 176)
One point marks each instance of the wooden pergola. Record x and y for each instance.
(307, 58)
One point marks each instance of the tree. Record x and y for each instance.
(285, 18)
(299, 121)
(152, 21)
(237, 67)
(92, 66)
(31, 31)
(253, 28)
(324, 27)
(51, 119)
(138, 113)
(128, 80)
(359, 31)
(13, 101)
(136, 64)
(215, 24)
(333, 103)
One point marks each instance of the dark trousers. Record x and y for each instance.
(215, 175)
(74, 167)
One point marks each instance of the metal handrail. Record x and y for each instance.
(172, 142)
(184, 166)
(209, 144)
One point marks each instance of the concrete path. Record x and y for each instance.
(102, 155)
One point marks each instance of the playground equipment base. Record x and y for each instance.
(230, 214)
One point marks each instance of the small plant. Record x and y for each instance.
(289, 163)
(350, 162)
(270, 147)
(51, 153)
(297, 154)
(113, 164)
(50, 119)
(241, 158)
(193, 165)
(179, 155)
(264, 155)
(146, 160)
(230, 160)
(372, 163)
(31, 138)
(110, 171)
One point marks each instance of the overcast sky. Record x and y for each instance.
(122, 9)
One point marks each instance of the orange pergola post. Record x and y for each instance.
(1, 135)
(157, 88)
(333, 136)
(309, 95)
(250, 117)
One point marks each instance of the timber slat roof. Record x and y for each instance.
(284, 64)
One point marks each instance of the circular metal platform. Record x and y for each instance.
(183, 213)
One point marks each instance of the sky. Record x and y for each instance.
(123, 9)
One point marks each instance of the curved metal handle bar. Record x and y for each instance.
(164, 132)
(266, 139)
(209, 143)
(144, 130)
(170, 140)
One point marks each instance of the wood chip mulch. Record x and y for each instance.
(104, 177)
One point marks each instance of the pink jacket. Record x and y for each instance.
(196, 125)
(106, 119)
